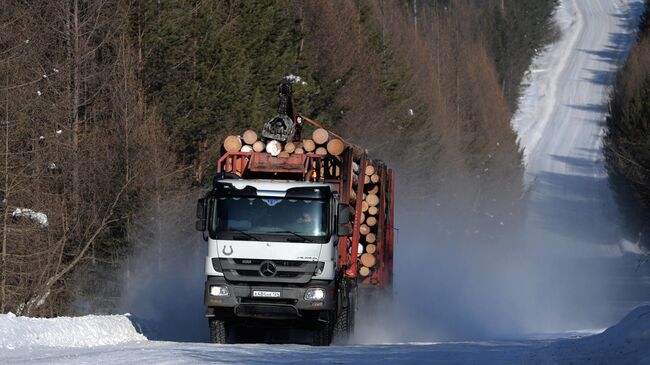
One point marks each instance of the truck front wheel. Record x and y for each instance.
(344, 326)
(218, 331)
(323, 332)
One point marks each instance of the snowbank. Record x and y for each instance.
(87, 331)
(627, 342)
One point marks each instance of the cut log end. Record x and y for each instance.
(364, 271)
(371, 238)
(308, 145)
(274, 148)
(259, 146)
(320, 136)
(368, 259)
(364, 229)
(335, 147)
(372, 199)
(250, 136)
(232, 144)
(290, 147)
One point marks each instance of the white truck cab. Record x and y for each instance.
(271, 250)
(255, 221)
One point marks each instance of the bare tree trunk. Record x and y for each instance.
(415, 16)
(159, 231)
(75, 128)
(5, 202)
(438, 47)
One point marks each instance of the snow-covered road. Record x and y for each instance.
(561, 122)
(572, 220)
(573, 225)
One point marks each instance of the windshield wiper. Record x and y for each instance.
(244, 233)
(295, 234)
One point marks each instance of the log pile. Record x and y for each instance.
(320, 144)
(368, 217)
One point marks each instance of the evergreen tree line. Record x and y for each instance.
(113, 110)
(627, 143)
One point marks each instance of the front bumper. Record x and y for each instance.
(289, 305)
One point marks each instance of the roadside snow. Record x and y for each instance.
(625, 343)
(38, 217)
(88, 331)
(540, 96)
(628, 342)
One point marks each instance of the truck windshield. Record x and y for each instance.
(302, 220)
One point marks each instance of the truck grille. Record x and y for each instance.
(297, 272)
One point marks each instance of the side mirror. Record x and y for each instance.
(344, 213)
(344, 228)
(201, 225)
(200, 209)
(201, 215)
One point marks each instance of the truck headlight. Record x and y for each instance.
(315, 294)
(219, 291)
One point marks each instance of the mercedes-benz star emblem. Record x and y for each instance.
(268, 269)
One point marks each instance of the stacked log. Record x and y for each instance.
(308, 145)
(320, 136)
(273, 148)
(335, 147)
(232, 144)
(319, 144)
(290, 147)
(369, 230)
(259, 146)
(250, 137)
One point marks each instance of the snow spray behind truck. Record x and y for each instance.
(298, 230)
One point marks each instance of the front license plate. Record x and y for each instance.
(266, 294)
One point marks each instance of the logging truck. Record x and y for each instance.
(298, 231)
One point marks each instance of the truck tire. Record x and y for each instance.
(323, 334)
(218, 331)
(344, 325)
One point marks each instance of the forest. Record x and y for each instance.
(627, 143)
(113, 113)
